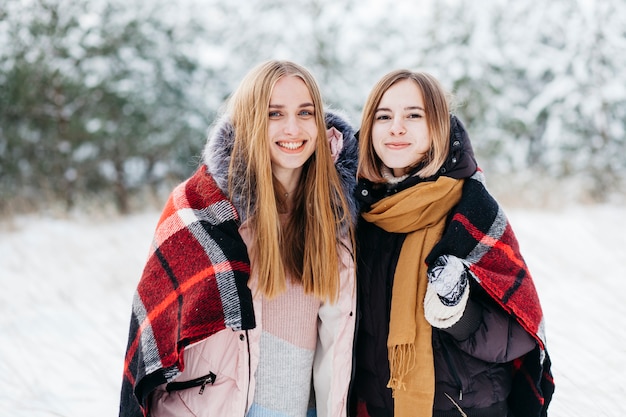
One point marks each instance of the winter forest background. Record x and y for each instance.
(105, 105)
(109, 101)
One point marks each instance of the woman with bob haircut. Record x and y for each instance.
(450, 323)
(246, 303)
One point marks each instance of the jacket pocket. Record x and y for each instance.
(208, 384)
(196, 382)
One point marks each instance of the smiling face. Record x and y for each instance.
(292, 129)
(400, 133)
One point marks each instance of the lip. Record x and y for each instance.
(291, 146)
(397, 145)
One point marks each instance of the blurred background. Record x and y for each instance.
(105, 106)
(107, 103)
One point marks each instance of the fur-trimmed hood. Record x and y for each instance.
(219, 147)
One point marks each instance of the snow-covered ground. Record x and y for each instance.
(67, 284)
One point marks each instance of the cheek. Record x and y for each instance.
(272, 130)
(312, 129)
(426, 141)
(376, 145)
(378, 135)
(377, 138)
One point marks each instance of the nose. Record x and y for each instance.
(397, 127)
(292, 126)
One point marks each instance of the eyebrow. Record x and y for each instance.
(406, 108)
(280, 106)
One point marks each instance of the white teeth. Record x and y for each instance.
(290, 145)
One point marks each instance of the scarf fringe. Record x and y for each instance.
(401, 362)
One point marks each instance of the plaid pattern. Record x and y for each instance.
(194, 284)
(480, 233)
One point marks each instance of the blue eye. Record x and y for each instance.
(274, 114)
(307, 112)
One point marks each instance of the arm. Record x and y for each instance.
(481, 328)
(484, 330)
(498, 337)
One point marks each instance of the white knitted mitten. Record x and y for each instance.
(448, 277)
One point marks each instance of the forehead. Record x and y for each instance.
(404, 92)
(290, 88)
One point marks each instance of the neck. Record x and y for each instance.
(289, 182)
(394, 176)
(287, 194)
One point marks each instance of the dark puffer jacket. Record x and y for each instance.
(472, 358)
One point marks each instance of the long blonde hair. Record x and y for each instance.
(437, 117)
(307, 248)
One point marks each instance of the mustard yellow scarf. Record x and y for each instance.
(419, 211)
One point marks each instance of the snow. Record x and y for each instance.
(68, 283)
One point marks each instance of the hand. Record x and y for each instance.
(448, 277)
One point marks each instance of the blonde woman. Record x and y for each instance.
(246, 304)
(450, 322)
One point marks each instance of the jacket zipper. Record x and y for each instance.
(197, 382)
(453, 369)
(249, 372)
(357, 322)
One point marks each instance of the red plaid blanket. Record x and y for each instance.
(193, 285)
(480, 233)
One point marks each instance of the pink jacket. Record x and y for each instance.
(230, 358)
